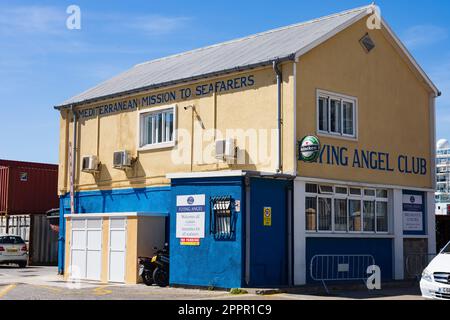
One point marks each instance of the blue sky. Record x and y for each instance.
(42, 62)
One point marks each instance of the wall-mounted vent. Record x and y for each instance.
(367, 43)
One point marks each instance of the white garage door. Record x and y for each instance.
(86, 249)
(117, 249)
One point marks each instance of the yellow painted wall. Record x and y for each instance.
(67, 248)
(394, 106)
(251, 108)
(105, 250)
(131, 265)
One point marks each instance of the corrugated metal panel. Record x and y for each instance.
(44, 244)
(253, 50)
(4, 187)
(31, 188)
(35, 230)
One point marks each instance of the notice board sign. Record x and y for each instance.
(267, 216)
(190, 222)
(413, 213)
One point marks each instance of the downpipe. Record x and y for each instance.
(276, 64)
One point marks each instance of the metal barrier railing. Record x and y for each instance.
(415, 264)
(340, 268)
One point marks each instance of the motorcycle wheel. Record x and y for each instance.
(160, 277)
(147, 278)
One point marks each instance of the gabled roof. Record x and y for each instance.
(261, 49)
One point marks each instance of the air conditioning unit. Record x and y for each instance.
(226, 149)
(89, 164)
(122, 160)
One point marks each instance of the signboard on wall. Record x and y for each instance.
(413, 213)
(190, 222)
(267, 216)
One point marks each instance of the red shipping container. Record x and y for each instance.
(28, 188)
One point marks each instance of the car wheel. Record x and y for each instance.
(22, 265)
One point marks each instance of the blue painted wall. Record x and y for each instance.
(381, 249)
(269, 253)
(152, 200)
(215, 263)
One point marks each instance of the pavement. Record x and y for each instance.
(43, 283)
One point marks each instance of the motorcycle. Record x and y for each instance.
(146, 269)
(161, 263)
(155, 269)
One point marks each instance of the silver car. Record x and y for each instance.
(13, 250)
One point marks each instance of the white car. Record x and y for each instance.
(435, 283)
(13, 250)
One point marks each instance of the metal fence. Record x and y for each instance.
(340, 268)
(416, 263)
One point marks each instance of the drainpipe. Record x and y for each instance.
(62, 211)
(276, 64)
(74, 153)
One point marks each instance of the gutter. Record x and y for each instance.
(173, 82)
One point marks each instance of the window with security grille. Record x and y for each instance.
(222, 218)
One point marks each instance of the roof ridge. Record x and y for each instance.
(371, 6)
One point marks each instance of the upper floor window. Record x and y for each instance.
(336, 114)
(157, 128)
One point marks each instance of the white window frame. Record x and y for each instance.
(340, 196)
(342, 98)
(140, 126)
(360, 198)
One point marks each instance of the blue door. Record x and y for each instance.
(268, 232)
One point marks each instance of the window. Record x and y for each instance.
(221, 218)
(369, 192)
(157, 128)
(354, 211)
(326, 189)
(340, 215)
(341, 190)
(382, 213)
(311, 213)
(355, 191)
(323, 114)
(11, 240)
(382, 194)
(311, 188)
(336, 114)
(347, 117)
(341, 209)
(369, 216)
(325, 214)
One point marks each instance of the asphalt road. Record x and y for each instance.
(43, 283)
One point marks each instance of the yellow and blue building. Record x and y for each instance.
(252, 156)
